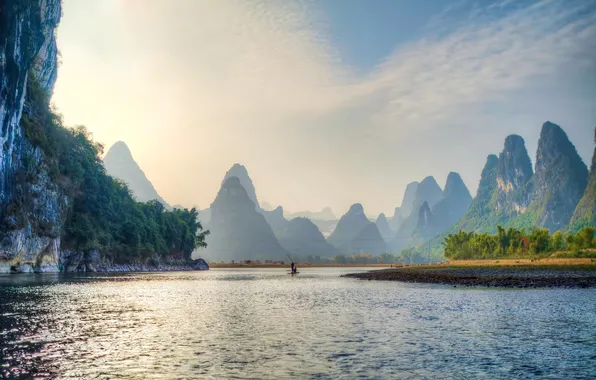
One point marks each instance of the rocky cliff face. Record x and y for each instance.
(349, 225)
(120, 164)
(585, 212)
(560, 178)
(30, 205)
(384, 228)
(238, 230)
(514, 173)
(368, 240)
(241, 173)
(510, 195)
(396, 219)
(302, 237)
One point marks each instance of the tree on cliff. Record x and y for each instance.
(101, 212)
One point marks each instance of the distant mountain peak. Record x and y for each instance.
(119, 163)
(384, 228)
(240, 171)
(560, 178)
(455, 186)
(121, 147)
(356, 208)
(238, 230)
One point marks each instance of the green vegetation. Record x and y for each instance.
(100, 212)
(404, 257)
(514, 243)
(585, 212)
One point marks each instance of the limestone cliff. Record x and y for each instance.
(31, 206)
(514, 174)
(559, 181)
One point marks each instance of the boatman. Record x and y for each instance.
(293, 268)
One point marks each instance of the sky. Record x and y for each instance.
(327, 103)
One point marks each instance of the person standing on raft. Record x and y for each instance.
(293, 268)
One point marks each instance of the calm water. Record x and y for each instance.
(264, 324)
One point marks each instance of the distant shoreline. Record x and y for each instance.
(511, 273)
(287, 265)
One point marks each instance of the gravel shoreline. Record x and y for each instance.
(511, 277)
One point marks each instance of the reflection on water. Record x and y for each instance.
(265, 324)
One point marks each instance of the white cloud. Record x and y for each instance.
(193, 86)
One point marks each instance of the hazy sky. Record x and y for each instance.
(327, 103)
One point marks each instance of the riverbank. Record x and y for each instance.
(287, 265)
(566, 273)
(53, 267)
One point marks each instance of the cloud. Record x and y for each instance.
(194, 86)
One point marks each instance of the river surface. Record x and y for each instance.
(265, 324)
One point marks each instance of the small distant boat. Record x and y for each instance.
(293, 273)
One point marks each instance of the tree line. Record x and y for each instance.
(100, 212)
(515, 243)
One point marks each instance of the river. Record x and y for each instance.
(265, 324)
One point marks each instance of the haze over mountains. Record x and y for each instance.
(557, 191)
(119, 163)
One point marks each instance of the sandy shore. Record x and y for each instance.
(566, 273)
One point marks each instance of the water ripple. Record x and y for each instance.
(263, 324)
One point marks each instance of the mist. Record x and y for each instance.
(194, 86)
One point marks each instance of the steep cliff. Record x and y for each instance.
(514, 174)
(302, 237)
(585, 212)
(59, 210)
(238, 230)
(120, 164)
(559, 181)
(31, 205)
